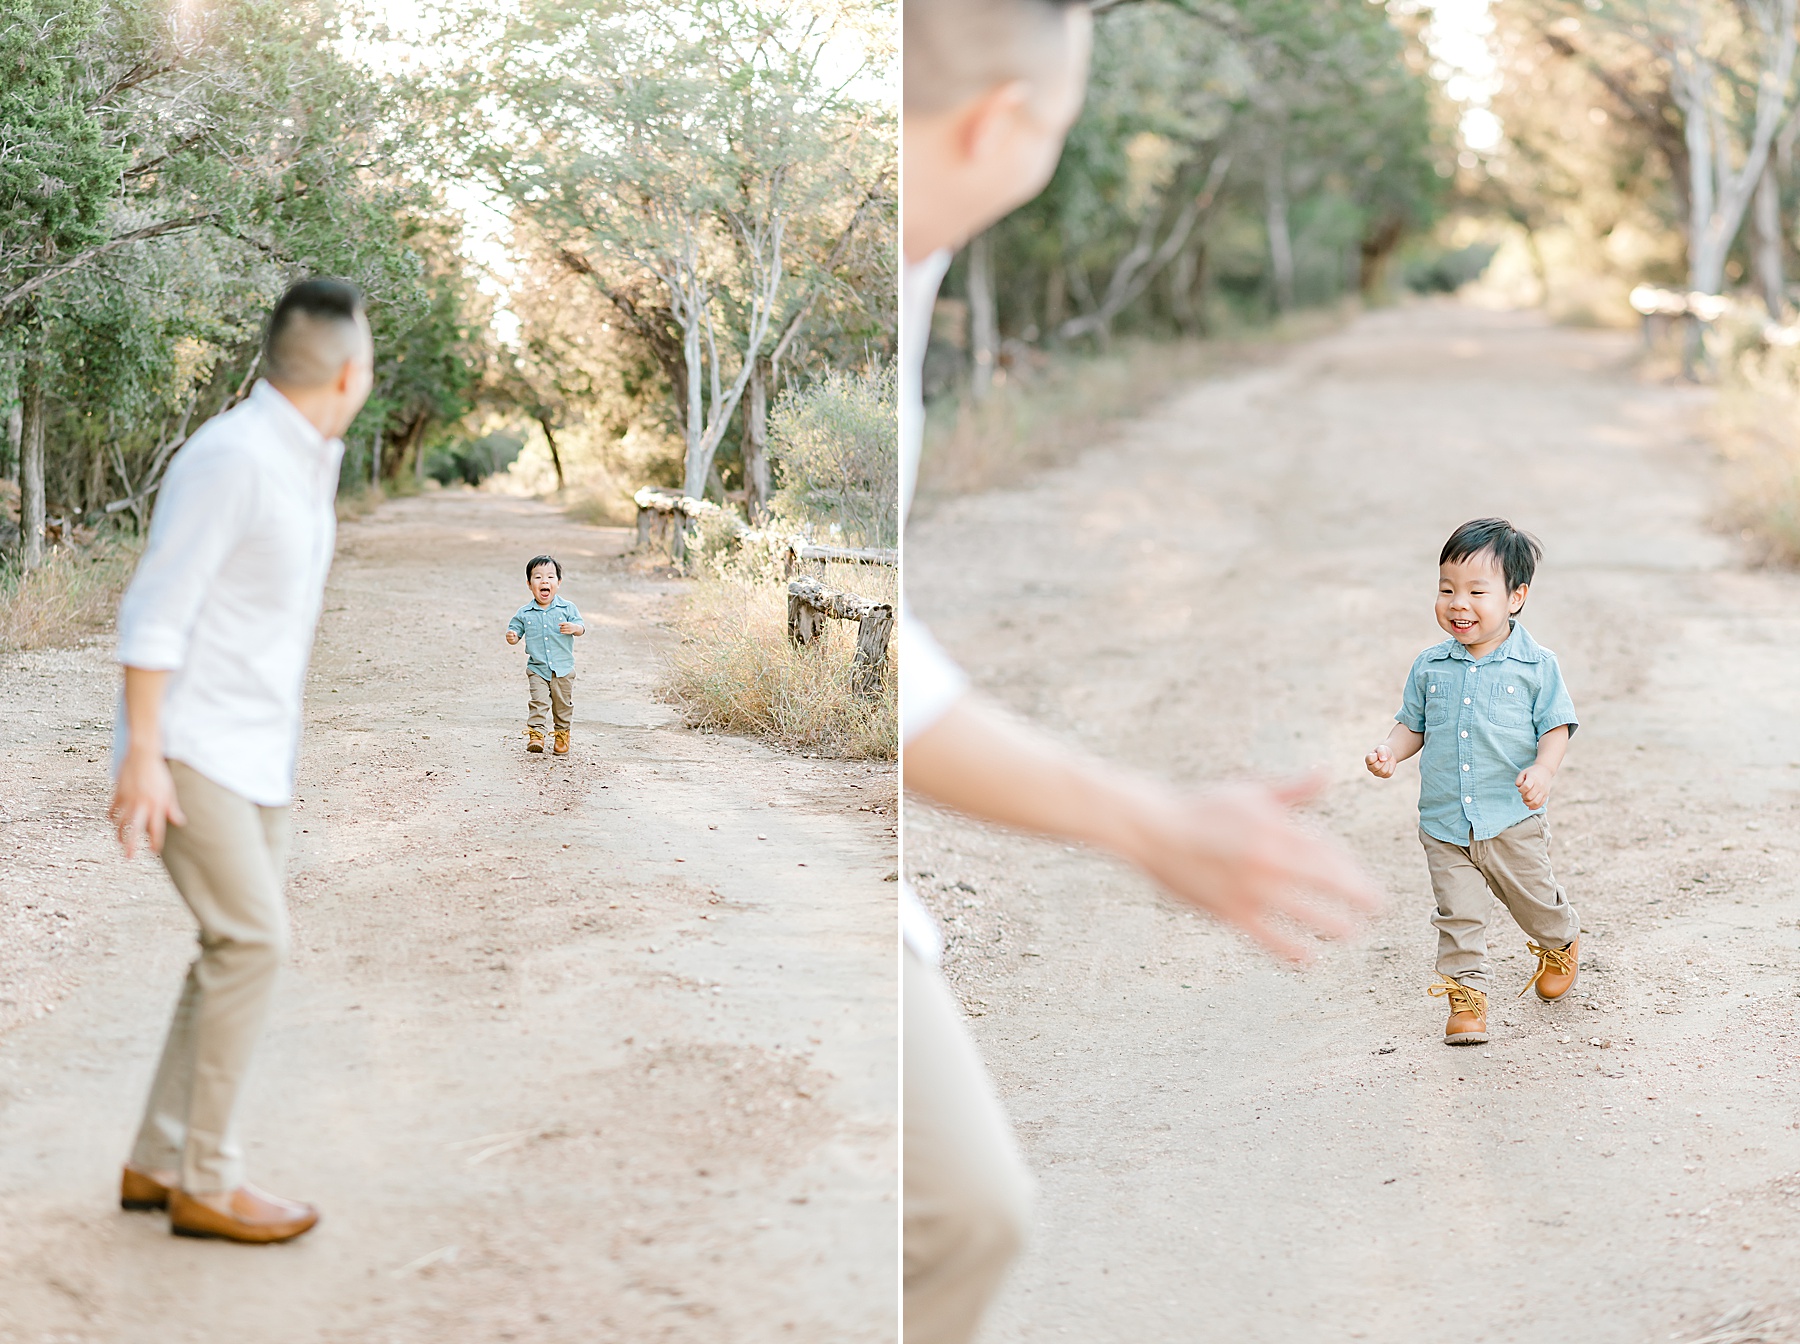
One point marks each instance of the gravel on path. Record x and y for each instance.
(566, 1053)
(1235, 585)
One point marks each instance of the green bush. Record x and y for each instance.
(836, 450)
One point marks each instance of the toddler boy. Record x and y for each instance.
(548, 624)
(1490, 711)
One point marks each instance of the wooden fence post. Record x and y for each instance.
(810, 603)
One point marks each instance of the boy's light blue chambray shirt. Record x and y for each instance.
(548, 652)
(1481, 721)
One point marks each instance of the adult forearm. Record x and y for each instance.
(144, 691)
(979, 760)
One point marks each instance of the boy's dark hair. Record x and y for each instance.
(311, 331)
(536, 560)
(1518, 552)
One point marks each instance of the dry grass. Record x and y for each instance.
(72, 596)
(1757, 429)
(599, 507)
(1048, 410)
(354, 505)
(736, 672)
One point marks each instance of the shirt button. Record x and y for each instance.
(1465, 767)
(1467, 799)
(1465, 732)
(1465, 699)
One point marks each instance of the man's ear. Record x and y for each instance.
(985, 121)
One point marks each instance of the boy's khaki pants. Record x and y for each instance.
(227, 863)
(1515, 866)
(968, 1194)
(557, 693)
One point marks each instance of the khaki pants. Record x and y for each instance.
(557, 693)
(227, 863)
(968, 1194)
(1515, 866)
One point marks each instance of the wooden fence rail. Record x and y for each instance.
(665, 515)
(810, 604)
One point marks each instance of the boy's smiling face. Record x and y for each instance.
(1473, 604)
(543, 584)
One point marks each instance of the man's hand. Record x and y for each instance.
(1534, 784)
(1236, 853)
(144, 802)
(1381, 762)
(512, 636)
(571, 628)
(1232, 851)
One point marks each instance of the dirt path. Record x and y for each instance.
(1238, 585)
(575, 1050)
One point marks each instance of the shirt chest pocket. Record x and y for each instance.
(1509, 702)
(1439, 702)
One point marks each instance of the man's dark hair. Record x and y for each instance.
(536, 560)
(312, 331)
(1518, 552)
(959, 49)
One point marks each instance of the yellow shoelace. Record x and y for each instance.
(1556, 959)
(1462, 998)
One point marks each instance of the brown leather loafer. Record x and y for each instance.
(1556, 972)
(1468, 1012)
(251, 1215)
(142, 1191)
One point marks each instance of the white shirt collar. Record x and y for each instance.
(269, 399)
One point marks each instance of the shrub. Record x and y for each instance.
(835, 447)
(73, 595)
(736, 671)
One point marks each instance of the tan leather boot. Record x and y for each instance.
(1468, 1013)
(1557, 970)
(141, 1191)
(537, 740)
(562, 742)
(246, 1214)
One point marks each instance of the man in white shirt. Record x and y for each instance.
(214, 636)
(992, 87)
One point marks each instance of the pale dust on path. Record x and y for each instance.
(1237, 586)
(567, 1051)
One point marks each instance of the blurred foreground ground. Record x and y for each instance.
(571, 1050)
(1236, 584)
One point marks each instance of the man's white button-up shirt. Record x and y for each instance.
(227, 595)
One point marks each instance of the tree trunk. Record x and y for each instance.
(1766, 255)
(15, 429)
(693, 474)
(31, 456)
(1281, 242)
(756, 446)
(555, 456)
(984, 334)
(375, 460)
(1056, 298)
(93, 498)
(1375, 248)
(1187, 290)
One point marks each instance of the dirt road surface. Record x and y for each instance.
(1237, 586)
(594, 1049)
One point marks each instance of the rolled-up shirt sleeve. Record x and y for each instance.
(1412, 700)
(929, 681)
(199, 520)
(1552, 707)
